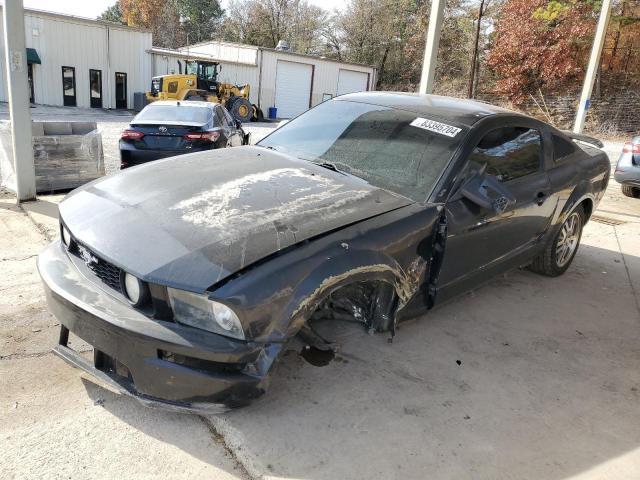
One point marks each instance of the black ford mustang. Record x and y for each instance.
(189, 276)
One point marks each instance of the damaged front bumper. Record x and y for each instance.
(162, 364)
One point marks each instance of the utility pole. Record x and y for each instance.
(592, 69)
(474, 59)
(18, 88)
(431, 48)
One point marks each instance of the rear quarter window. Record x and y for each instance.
(561, 147)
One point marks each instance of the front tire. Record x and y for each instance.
(559, 253)
(630, 191)
(241, 109)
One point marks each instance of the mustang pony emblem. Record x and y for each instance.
(86, 255)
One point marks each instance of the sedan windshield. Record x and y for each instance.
(393, 149)
(174, 113)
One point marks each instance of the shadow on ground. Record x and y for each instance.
(528, 377)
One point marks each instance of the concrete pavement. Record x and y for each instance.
(527, 377)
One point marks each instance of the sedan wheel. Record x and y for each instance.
(630, 191)
(559, 252)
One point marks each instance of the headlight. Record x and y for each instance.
(66, 237)
(200, 312)
(136, 291)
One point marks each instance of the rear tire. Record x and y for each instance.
(630, 191)
(560, 251)
(259, 115)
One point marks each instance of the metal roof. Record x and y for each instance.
(286, 52)
(316, 57)
(75, 18)
(192, 56)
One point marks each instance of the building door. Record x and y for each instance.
(293, 88)
(69, 86)
(30, 78)
(95, 88)
(121, 90)
(350, 81)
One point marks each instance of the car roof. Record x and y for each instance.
(186, 103)
(466, 112)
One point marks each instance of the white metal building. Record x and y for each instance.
(75, 61)
(80, 62)
(289, 81)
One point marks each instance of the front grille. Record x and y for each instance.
(108, 273)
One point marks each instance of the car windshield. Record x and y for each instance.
(174, 113)
(393, 149)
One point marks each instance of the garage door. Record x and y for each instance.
(350, 81)
(293, 88)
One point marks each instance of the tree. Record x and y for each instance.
(201, 19)
(541, 45)
(265, 22)
(112, 14)
(620, 57)
(162, 17)
(454, 54)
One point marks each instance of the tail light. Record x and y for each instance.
(131, 135)
(206, 136)
(630, 147)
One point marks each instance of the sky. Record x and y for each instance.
(93, 8)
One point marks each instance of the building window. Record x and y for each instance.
(30, 80)
(69, 86)
(95, 88)
(121, 90)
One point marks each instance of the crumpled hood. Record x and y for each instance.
(193, 220)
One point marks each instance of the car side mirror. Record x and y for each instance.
(488, 193)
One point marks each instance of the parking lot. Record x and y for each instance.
(526, 378)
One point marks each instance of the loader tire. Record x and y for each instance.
(259, 114)
(241, 109)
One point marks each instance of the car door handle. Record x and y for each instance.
(541, 197)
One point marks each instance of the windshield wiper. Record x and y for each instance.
(329, 166)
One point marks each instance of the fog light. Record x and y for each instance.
(134, 289)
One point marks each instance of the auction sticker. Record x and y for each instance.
(437, 127)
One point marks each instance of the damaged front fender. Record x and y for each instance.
(275, 298)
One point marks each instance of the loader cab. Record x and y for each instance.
(206, 74)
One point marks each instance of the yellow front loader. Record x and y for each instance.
(200, 82)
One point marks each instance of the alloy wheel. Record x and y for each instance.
(568, 239)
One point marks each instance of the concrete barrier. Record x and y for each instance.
(66, 155)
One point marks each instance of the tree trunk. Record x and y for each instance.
(474, 58)
(382, 63)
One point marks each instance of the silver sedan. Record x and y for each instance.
(628, 168)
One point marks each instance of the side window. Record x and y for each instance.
(509, 152)
(220, 118)
(561, 147)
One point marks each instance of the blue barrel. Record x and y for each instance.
(273, 113)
